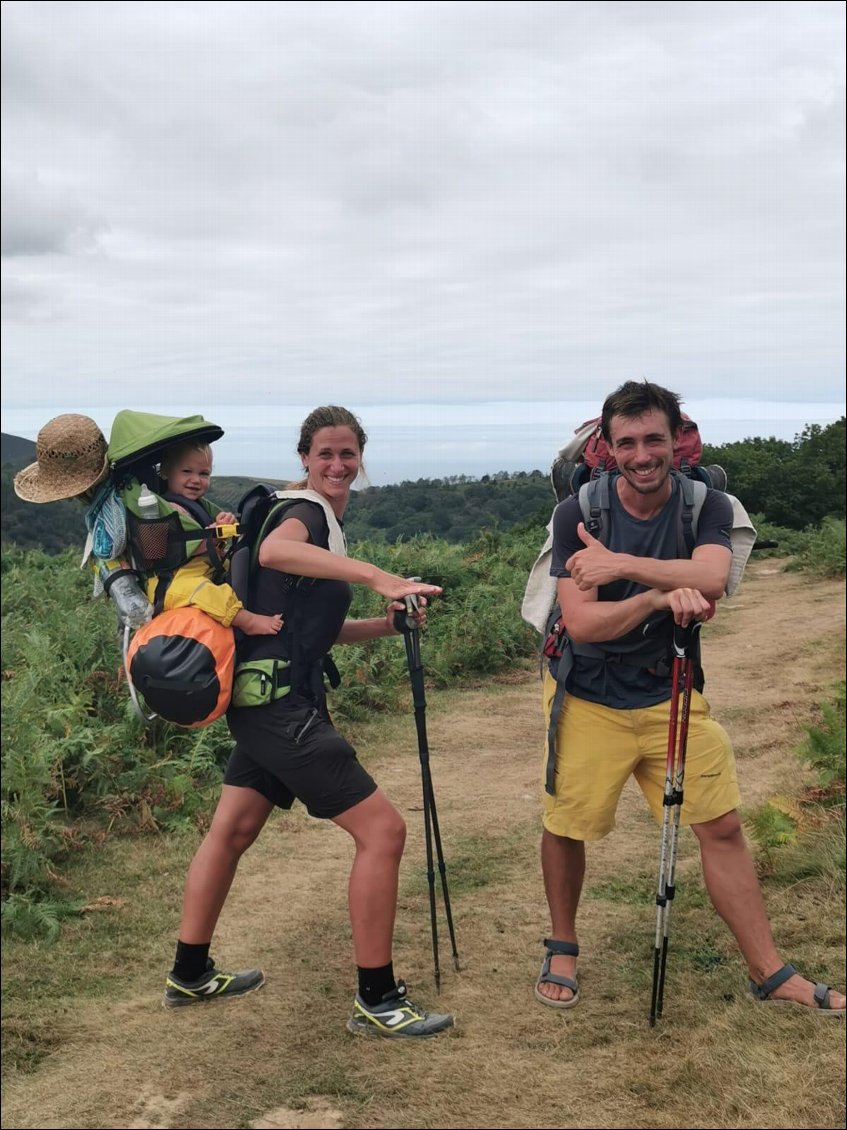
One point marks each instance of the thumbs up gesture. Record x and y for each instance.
(595, 565)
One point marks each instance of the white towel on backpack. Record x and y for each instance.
(337, 540)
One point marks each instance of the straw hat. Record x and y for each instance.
(70, 459)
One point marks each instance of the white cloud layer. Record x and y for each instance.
(443, 203)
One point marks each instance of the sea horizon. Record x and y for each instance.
(426, 441)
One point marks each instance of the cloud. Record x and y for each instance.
(423, 201)
(40, 219)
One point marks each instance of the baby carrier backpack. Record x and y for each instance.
(179, 664)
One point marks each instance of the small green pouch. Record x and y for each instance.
(261, 681)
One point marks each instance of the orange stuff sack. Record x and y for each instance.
(182, 664)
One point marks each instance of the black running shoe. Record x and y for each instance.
(212, 986)
(396, 1016)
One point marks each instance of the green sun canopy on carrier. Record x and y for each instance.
(139, 435)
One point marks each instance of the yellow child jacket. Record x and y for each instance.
(192, 584)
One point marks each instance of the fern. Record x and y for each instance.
(825, 747)
(31, 917)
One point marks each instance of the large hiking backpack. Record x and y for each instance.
(594, 503)
(591, 486)
(587, 456)
(258, 510)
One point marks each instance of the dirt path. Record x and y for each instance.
(281, 1057)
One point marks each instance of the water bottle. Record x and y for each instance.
(148, 506)
(151, 536)
(125, 591)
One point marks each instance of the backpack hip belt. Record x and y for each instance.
(258, 682)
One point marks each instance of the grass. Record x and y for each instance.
(476, 862)
(87, 1044)
(715, 1059)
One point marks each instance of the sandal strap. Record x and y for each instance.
(555, 947)
(548, 978)
(822, 999)
(763, 991)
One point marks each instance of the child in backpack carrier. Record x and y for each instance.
(186, 471)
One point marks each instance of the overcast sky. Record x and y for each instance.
(466, 221)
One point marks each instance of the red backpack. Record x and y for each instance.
(587, 455)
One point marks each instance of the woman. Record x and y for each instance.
(288, 748)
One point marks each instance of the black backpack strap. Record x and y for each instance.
(252, 509)
(258, 512)
(560, 667)
(332, 673)
(594, 503)
(593, 499)
(686, 537)
(163, 583)
(302, 673)
(194, 508)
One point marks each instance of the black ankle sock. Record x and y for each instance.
(375, 983)
(190, 960)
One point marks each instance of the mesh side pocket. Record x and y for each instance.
(157, 543)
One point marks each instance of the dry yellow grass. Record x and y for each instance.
(282, 1057)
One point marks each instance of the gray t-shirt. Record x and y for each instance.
(606, 680)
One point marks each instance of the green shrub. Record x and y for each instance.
(78, 764)
(823, 554)
(807, 837)
(787, 543)
(825, 748)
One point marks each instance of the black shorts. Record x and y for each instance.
(289, 750)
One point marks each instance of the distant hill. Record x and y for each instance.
(15, 451)
(454, 509)
(228, 490)
(55, 526)
(790, 484)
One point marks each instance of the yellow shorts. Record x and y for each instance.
(191, 585)
(597, 749)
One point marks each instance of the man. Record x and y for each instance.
(614, 717)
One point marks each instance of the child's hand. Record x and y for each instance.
(225, 518)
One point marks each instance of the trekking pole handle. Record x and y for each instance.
(405, 621)
(684, 637)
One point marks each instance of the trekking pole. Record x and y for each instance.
(682, 673)
(406, 623)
